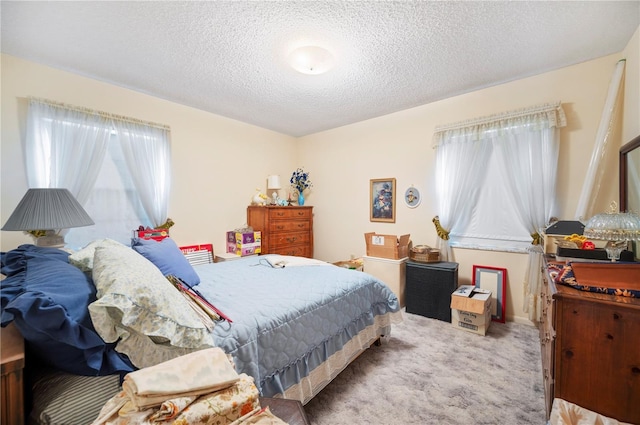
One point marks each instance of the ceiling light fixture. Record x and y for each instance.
(311, 60)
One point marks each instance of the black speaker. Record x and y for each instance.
(428, 288)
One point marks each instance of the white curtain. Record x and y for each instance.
(528, 153)
(525, 144)
(457, 180)
(148, 155)
(64, 147)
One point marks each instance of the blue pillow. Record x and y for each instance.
(167, 257)
(47, 299)
(15, 261)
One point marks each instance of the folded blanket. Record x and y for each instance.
(197, 373)
(224, 407)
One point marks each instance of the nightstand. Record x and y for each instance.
(12, 354)
(391, 272)
(429, 287)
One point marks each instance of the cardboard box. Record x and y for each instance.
(471, 313)
(244, 249)
(387, 246)
(244, 238)
(155, 234)
(242, 244)
(471, 322)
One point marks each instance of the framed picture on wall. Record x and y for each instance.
(495, 280)
(412, 197)
(382, 200)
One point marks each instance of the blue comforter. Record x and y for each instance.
(287, 321)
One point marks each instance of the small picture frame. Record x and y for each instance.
(382, 200)
(412, 197)
(495, 280)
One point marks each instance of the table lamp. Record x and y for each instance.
(617, 228)
(273, 183)
(44, 212)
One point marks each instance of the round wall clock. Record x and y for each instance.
(412, 197)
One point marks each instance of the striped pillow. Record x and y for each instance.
(62, 398)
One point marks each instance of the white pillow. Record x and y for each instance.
(139, 306)
(83, 259)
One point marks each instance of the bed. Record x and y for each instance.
(92, 316)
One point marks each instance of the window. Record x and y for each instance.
(113, 203)
(495, 178)
(118, 168)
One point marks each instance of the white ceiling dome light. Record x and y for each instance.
(311, 60)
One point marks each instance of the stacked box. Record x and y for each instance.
(387, 246)
(247, 243)
(471, 309)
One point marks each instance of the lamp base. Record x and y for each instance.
(614, 249)
(50, 241)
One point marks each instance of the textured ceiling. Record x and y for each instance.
(229, 58)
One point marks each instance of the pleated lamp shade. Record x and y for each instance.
(49, 210)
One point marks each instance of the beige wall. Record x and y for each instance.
(218, 162)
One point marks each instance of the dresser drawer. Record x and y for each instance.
(296, 250)
(290, 226)
(289, 213)
(290, 238)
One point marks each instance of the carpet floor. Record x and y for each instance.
(428, 372)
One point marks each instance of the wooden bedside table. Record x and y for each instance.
(12, 353)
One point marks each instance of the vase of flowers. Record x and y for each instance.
(300, 182)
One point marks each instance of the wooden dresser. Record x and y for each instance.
(12, 353)
(285, 230)
(590, 347)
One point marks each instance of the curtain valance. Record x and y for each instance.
(542, 116)
(107, 115)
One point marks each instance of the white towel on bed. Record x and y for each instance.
(280, 261)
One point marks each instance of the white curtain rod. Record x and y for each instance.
(99, 113)
(546, 108)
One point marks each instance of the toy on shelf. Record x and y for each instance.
(259, 198)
